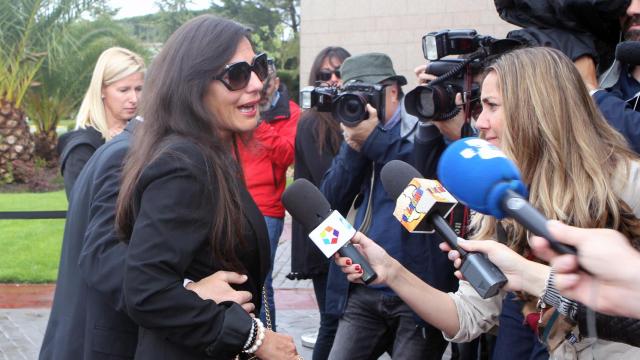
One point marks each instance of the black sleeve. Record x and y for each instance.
(310, 164)
(102, 256)
(171, 228)
(619, 115)
(75, 161)
(428, 146)
(612, 328)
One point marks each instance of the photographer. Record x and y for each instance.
(617, 94)
(370, 314)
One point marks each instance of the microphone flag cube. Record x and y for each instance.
(332, 234)
(421, 198)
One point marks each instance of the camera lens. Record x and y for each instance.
(433, 101)
(350, 108)
(425, 104)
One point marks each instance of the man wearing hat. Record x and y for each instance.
(374, 319)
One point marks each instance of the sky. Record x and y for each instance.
(129, 8)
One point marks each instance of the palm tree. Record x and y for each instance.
(29, 33)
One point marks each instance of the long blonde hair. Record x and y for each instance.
(114, 64)
(568, 154)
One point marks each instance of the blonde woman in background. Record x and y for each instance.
(109, 103)
(578, 169)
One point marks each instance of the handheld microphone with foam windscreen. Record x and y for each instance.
(421, 206)
(628, 52)
(480, 176)
(330, 231)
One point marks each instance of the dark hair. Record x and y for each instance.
(173, 110)
(328, 129)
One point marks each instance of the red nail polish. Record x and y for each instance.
(358, 268)
(348, 261)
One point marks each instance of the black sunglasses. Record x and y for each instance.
(236, 76)
(325, 75)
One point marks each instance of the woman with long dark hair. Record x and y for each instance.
(318, 139)
(183, 204)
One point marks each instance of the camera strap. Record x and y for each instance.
(366, 221)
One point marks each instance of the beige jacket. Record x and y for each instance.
(477, 315)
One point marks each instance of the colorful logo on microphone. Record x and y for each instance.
(416, 195)
(330, 235)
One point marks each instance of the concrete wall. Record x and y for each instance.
(394, 27)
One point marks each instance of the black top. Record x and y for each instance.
(306, 259)
(88, 320)
(75, 148)
(174, 204)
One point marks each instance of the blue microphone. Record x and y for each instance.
(480, 176)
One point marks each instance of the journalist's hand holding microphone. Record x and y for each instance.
(382, 263)
(522, 274)
(612, 286)
(440, 311)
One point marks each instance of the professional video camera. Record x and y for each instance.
(436, 100)
(346, 104)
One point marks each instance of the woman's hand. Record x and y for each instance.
(611, 286)
(277, 346)
(522, 274)
(383, 264)
(217, 287)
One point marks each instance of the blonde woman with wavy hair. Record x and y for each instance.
(536, 108)
(109, 103)
(575, 164)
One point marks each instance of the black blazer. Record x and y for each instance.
(174, 212)
(75, 149)
(87, 319)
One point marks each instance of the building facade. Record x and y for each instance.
(394, 27)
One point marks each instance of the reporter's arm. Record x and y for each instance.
(461, 316)
(608, 256)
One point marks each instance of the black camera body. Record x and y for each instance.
(436, 100)
(346, 104)
(319, 96)
(438, 44)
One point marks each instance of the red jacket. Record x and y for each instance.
(268, 154)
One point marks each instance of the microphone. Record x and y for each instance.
(421, 206)
(480, 176)
(628, 52)
(331, 232)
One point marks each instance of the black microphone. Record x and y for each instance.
(628, 52)
(329, 230)
(421, 205)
